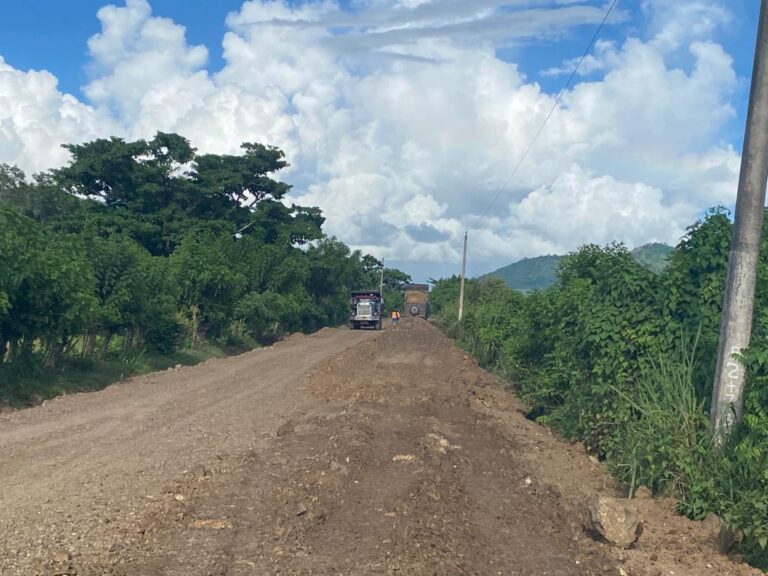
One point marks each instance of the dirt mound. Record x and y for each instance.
(397, 474)
(410, 362)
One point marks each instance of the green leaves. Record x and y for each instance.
(144, 245)
(157, 191)
(607, 356)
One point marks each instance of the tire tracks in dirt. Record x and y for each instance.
(84, 475)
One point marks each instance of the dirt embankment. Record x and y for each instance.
(397, 456)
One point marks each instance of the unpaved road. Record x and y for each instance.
(345, 452)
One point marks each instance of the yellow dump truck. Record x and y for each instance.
(417, 300)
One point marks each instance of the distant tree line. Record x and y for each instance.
(150, 245)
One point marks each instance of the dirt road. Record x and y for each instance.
(339, 453)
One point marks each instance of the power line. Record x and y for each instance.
(549, 115)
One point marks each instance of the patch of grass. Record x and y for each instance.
(188, 357)
(666, 443)
(31, 384)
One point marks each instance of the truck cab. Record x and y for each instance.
(367, 307)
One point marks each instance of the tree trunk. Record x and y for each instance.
(69, 343)
(53, 354)
(25, 348)
(105, 344)
(89, 343)
(12, 349)
(128, 342)
(195, 311)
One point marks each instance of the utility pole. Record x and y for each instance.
(381, 278)
(463, 274)
(736, 322)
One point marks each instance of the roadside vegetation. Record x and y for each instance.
(140, 255)
(622, 359)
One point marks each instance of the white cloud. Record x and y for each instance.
(403, 126)
(633, 213)
(35, 119)
(136, 54)
(674, 23)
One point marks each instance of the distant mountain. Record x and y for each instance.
(653, 256)
(540, 272)
(530, 273)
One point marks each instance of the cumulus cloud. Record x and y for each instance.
(135, 54)
(633, 212)
(36, 118)
(672, 24)
(402, 122)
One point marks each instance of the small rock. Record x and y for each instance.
(727, 537)
(643, 493)
(712, 524)
(199, 472)
(116, 547)
(61, 557)
(301, 509)
(612, 521)
(403, 458)
(337, 467)
(211, 524)
(440, 444)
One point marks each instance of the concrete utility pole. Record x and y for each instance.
(736, 322)
(463, 274)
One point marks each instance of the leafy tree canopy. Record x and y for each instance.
(157, 191)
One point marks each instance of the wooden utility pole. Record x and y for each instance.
(381, 278)
(736, 322)
(463, 274)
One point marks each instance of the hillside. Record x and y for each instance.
(539, 272)
(653, 255)
(530, 273)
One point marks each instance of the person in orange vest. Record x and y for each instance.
(395, 316)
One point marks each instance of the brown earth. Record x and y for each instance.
(346, 452)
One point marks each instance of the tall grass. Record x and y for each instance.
(666, 442)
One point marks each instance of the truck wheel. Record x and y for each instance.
(380, 325)
(415, 310)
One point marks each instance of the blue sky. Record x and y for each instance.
(54, 36)
(402, 118)
(55, 33)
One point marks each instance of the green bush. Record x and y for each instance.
(622, 359)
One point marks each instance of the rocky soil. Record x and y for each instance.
(348, 453)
